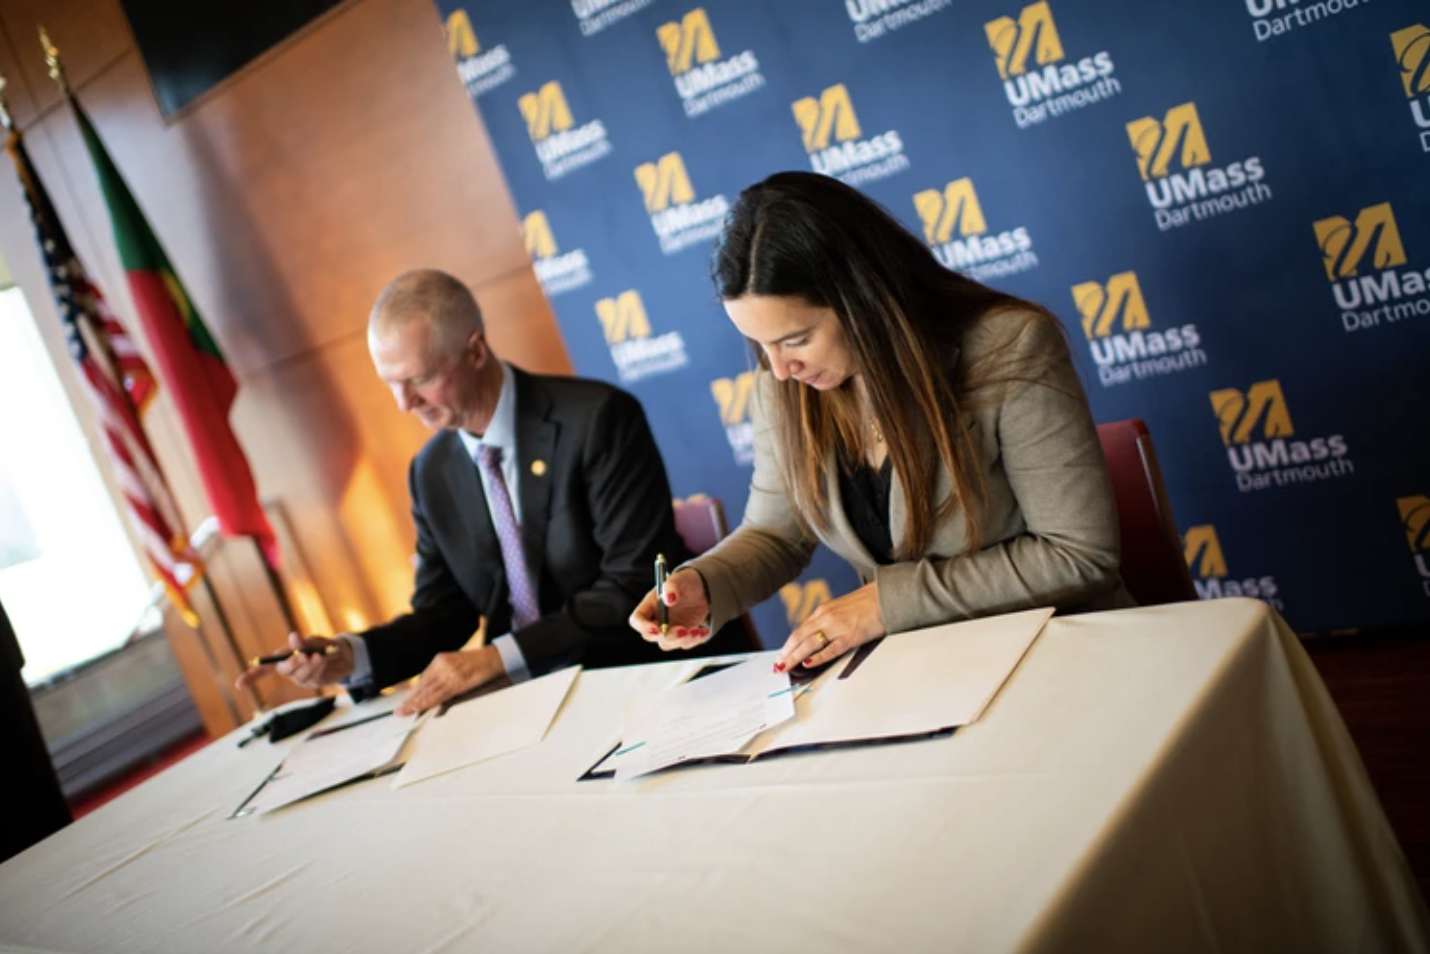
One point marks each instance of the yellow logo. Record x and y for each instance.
(1263, 406)
(955, 207)
(1203, 552)
(832, 113)
(623, 317)
(1412, 55)
(732, 395)
(1178, 136)
(536, 235)
(802, 599)
(664, 182)
(688, 42)
(461, 41)
(1032, 34)
(1100, 305)
(545, 111)
(1344, 245)
(1415, 513)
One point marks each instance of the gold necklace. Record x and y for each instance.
(878, 434)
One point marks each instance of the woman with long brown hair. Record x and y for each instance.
(928, 429)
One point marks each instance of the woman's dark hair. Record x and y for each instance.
(811, 237)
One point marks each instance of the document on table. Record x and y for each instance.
(487, 726)
(716, 715)
(912, 684)
(330, 757)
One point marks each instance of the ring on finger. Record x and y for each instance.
(823, 640)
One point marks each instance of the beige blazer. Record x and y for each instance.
(1049, 532)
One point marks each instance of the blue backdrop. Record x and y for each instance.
(1225, 202)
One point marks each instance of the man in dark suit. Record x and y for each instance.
(540, 504)
(35, 806)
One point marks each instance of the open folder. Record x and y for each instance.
(329, 758)
(918, 684)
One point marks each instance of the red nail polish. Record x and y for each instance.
(669, 599)
(654, 631)
(680, 630)
(779, 667)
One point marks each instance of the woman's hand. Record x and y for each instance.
(687, 612)
(833, 629)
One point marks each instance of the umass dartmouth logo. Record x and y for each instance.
(636, 352)
(801, 599)
(480, 70)
(836, 142)
(702, 77)
(1412, 56)
(556, 271)
(1038, 79)
(1415, 519)
(1120, 335)
(1182, 184)
(1271, 18)
(1209, 573)
(1261, 442)
(679, 219)
(956, 230)
(593, 16)
(732, 398)
(561, 145)
(1363, 258)
(873, 19)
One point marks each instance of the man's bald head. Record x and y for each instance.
(447, 305)
(427, 343)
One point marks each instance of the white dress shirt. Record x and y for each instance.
(500, 433)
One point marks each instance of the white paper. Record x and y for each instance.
(487, 726)
(912, 684)
(712, 716)
(325, 760)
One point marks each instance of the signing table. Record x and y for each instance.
(1164, 779)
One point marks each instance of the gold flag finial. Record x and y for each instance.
(5, 119)
(52, 59)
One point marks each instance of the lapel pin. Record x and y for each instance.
(538, 467)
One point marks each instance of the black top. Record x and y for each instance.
(866, 504)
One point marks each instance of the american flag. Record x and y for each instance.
(120, 386)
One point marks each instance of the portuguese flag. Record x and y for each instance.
(190, 364)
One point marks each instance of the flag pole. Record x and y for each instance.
(280, 592)
(57, 73)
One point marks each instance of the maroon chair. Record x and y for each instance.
(1154, 566)
(700, 521)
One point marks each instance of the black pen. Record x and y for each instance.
(327, 650)
(348, 725)
(661, 615)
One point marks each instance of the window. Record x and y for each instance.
(71, 583)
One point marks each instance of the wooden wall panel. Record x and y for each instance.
(286, 199)
(91, 36)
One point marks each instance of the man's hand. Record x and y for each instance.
(316, 661)
(451, 674)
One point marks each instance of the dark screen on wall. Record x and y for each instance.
(191, 47)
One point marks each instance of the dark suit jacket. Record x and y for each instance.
(35, 806)
(592, 524)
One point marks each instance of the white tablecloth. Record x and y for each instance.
(1153, 780)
